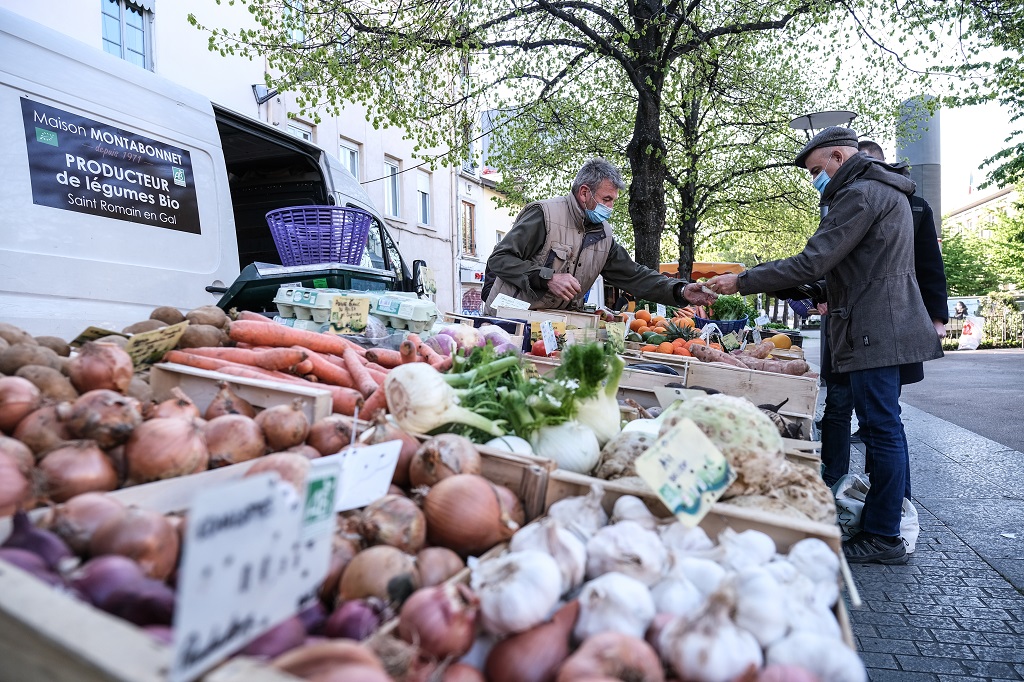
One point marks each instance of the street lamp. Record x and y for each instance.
(812, 123)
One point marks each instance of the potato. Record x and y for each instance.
(3, 343)
(202, 335)
(21, 354)
(167, 314)
(50, 382)
(143, 326)
(208, 314)
(140, 390)
(57, 345)
(14, 335)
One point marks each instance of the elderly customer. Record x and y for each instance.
(557, 248)
(864, 248)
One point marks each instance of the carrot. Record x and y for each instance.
(408, 352)
(706, 354)
(361, 378)
(378, 373)
(303, 368)
(264, 334)
(384, 357)
(252, 317)
(254, 373)
(431, 356)
(275, 359)
(182, 358)
(376, 402)
(330, 373)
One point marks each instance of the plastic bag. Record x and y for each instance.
(974, 329)
(850, 491)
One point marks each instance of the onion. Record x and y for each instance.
(307, 451)
(614, 655)
(437, 564)
(356, 619)
(354, 673)
(19, 452)
(15, 487)
(396, 521)
(440, 620)
(142, 535)
(104, 416)
(100, 365)
(76, 520)
(165, 448)
(460, 672)
(343, 549)
(290, 466)
(385, 429)
(74, 468)
(179, 406)
(783, 673)
(233, 438)
(534, 655)
(39, 541)
(403, 661)
(18, 397)
(23, 559)
(331, 434)
(313, 618)
(44, 428)
(147, 602)
(443, 456)
(383, 572)
(469, 514)
(227, 402)
(99, 578)
(283, 637)
(317, 660)
(140, 390)
(284, 426)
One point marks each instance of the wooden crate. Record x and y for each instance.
(202, 385)
(569, 317)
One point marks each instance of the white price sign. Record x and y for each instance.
(366, 474)
(547, 333)
(660, 310)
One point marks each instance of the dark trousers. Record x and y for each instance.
(835, 431)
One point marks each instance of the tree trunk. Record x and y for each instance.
(646, 154)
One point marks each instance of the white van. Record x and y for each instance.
(121, 191)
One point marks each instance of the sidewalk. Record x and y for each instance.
(955, 611)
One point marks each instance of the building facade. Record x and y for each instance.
(976, 218)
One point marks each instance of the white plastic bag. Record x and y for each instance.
(850, 491)
(974, 329)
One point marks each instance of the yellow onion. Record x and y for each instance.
(394, 520)
(227, 402)
(614, 655)
(44, 429)
(165, 448)
(104, 416)
(284, 426)
(139, 534)
(15, 487)
(178, 405)
(331, 434)
(381, 571)
(100, 365)
(74, 468)
(290, 466)
(18, 397)
(233, 438)
(385, 429)
(76, 520)
(442, 456)
(469, 514)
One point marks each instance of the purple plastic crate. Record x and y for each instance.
(306, 235)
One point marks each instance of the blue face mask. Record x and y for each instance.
(822, 178)
(599, 213)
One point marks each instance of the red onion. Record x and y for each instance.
(331, 434)
(165, 448)
(469, 514)
(290, 466)
(180, 406)
(284, 426)
(147, 602)
(100, 365)
(437, 564)
(443, 456)
(534, 655)
(283, 637)
(614, 655)
(74, 468)
(384, 429)
(98, 578)
(313, 618)
(440, 620)
(18, 397)
(23, 559)
(396, 521)
(233, 438)
(460, 672)
(20, 453)
(319, 660)
(104, 416)
(50, 548)
(142, 535)
(15, 487)
(341, 554)
(44, 429)
(383, 572)
(76, 520)
(356, 619)
(227, 402)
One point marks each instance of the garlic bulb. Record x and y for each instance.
(749, 548)
(627, 548)
(678, 596)
(760, 605)
(632, 508)
(828, 659)
(816, 560)
(705, 574)
(517, 591)
(710, 648)
(808, 616)
(583, 514)
(564, 546)
(678, 539)
(614, 603)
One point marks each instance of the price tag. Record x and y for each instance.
(616, 335)
(366, 474)
(547, 334)
(762, 319)
(93, 333)
(667, 395)
(253, 552)
(349, 314)
(506, 301)
(687, 472)
(660, 309)
(149, 347)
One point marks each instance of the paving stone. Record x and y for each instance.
(887, 606)
(977, 625)
(945, 650)
(900, 676)
(904, 632)
(935, 622)
(993, 614)
(965, 637)
(929, 664)
(1003, 639)
(888, 646)
(960, 600)
(935, 610)
(874, 618)
(877, 660)
(1005, 654)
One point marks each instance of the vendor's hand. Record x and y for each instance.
(564, 285)
(695, 294)
(940, 328)
(724, 284)
(822, 308)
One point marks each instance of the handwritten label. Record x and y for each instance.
(686, 471)
(506, 301)
(366, 474)
(149, 347)
(93, 333)
(429, 281)
(660, 309)
(547, 333)
(349, 314)
(616, 335)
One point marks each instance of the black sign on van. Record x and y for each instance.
(82, 165)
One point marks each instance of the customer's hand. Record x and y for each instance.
(564, 285)
(940, 328)
(695, 295)
(823, 308)
(724, 284)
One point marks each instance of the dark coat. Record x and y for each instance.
(864, 248)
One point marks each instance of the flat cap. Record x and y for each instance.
(829, 137)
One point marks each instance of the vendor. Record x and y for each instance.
(557, 247)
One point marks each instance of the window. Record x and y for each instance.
(349, 152)
(468, 220)
(301, 130)
(295, 19)
(126, 32)
(423, 195)
(498, 236)
(392, 197)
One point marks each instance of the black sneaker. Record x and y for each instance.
(855, 437)
(868, 548)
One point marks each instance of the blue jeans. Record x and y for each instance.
(876, 397)
(835, 431)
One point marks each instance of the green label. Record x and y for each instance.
(388, 304)
(46, 137)
(319, 500)
(179, 176)
(320, 283)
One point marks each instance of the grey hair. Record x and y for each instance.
(596, 171)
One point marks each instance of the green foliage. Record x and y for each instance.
(1006, 247)
(733, 307)
(1002, 317)
(969, 271)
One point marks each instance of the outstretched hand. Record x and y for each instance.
(564, 285)
(724, 284)
(697, 295)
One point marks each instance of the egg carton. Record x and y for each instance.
(309, 304)
(402, 310)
